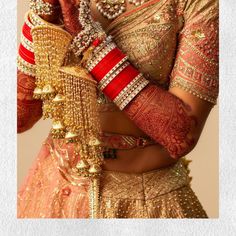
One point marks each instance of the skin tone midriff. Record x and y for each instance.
(136, 160)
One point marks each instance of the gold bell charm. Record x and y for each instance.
(70, 135)
(48, 91)
(94, 142)
(37, 93)
(95, 169)
(37, 90)
(82, 168)
(57, 125)
(82, 164)
(57, 130)
(59, 98)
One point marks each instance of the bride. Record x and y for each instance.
(157, 81)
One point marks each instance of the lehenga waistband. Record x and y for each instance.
(116, 184)
(146, 185)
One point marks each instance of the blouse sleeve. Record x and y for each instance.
(196, 65)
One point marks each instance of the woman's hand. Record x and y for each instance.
(70, 14)
(54, 17)
(69, 11)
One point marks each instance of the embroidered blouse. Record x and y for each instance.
(174, 43)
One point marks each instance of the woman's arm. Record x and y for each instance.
(29, 110)
(173, 118)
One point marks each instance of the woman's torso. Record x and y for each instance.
(148, 35)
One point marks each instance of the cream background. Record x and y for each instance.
(204, 167)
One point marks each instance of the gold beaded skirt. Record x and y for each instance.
(162, 193)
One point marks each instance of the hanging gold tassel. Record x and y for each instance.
(51, 44)
(83, 128)
(70, 100)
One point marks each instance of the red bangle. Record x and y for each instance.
(116, 77)
(26, 29)
(26, 32)
(26, 55)
(120, 82)
(25, 58)
(107, 63)
(25, 52)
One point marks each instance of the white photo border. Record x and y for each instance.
(10, 225)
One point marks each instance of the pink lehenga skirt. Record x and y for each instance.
(162, 193)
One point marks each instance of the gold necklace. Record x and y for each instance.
(113, 8)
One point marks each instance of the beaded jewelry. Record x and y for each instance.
(91, 30)
(113, 8)
(115, 75)
(40, 7)
(25, 57)
(70, 100)
(85, 38)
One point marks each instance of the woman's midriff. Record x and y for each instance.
(136, 160)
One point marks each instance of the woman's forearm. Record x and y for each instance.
(29, 110)
(164, 115)
(172, 118)
(165, 118)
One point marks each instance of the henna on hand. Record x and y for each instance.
(29, 110)
(53, 2)
(165, 118)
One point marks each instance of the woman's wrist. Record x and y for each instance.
(25, 58)
(116, 77)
